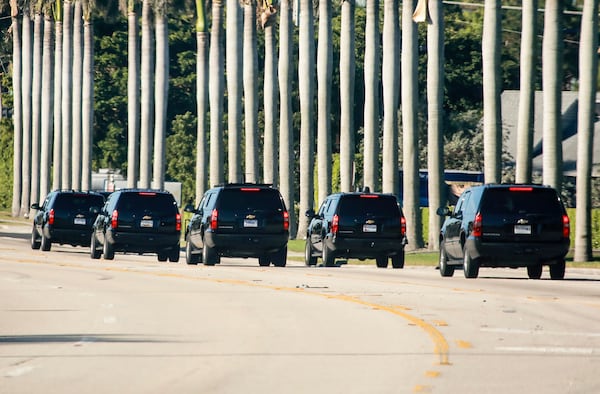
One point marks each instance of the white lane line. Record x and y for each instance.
(540, 332)
(110, 320)
(550, 350)
(20, 371)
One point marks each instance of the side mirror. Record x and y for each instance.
(35, 206)
(310, 213)
(443, 211)
(95, 210)
(190, 208)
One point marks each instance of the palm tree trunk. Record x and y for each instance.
(410, 128)
(527, 92)
(216, 94)
(250, 93)
(77, 93)
(391, 88)
(202, 39)
(47, 105)
(234, 65)
(286, 131)
(435, 95)
(36, 105)
(347, 75)
(551, 81)
(133, 96)
(26, 100)
(161, 96)
(87, 102)
(270, 173)
(306, 82)
(371, 142)
(324, 69)
(146, 99)
(588, 73)
(17, 111)
(57, 146)
(67, 90)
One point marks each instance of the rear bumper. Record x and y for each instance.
(76, 236)
(365, 248)
(245, 245)
(495, 254)
(142, 243)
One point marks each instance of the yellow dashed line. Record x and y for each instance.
(464, 344)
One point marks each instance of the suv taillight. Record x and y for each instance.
(114, 219)
(566, 226)
(286, 220)
(402, 225)
(51, 216)
(335, 224)
(178, 222)
(477, 232)
(213, 219)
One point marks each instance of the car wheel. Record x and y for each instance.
(328, 257)
(209, 256)
(190, 257)
(35, 240)
(557, 270)
(174, 254)
(264, 261)
(309, 259)
(534, 271)
(279, 258)
(45, 244)
(398, 260)
(162, 256)
(381, 261)
(445, 269)
(95, 253)
(107, 250)
(470, 266)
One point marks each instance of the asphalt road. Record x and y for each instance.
(69, 324)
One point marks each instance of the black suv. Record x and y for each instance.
(505, 226)
(65, 217)
(138, 221)
(357, 225)
(238, 220)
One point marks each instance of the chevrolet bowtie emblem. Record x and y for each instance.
(250, 216)
(522, 221)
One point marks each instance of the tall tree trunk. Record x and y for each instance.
(410, 128)
(391, 89)
(588, 73)
(552, 80)
(347, 75)
(36, 105)
(26, 100)
(67, 94)
(286, 130)
(216, 94)
(306, 87)
(47, 105)
(234, 47)
(58, 55)
(17, 111)
(250, 93)
(77, 94)
(147, 96)
(371, 141)
(161, 96)
(202, 39)
(270, 173)
(87, 103)
(527, 92)
(324, 69)
(133, 97)
(435, 98)
(492, 118)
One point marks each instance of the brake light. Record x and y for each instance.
(402, 225)
(114, 220)
(147, 194)
(286, 220)
(477, 230)
(520, 189)
(566, 226)
(213, 219)
(51, 216)
(335, 224)
(250, 189)
(178, 222)
(369, 196)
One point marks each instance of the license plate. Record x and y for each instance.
(523, 229)
(146, 223)
(369, 228)
(80, 221)
(250, 223)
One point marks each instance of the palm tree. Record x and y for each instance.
(77, 77)
(17, 108)
(588, 72)
(250, 92)
(391, 87)
(66, 108)
(36, 102)
(492, 118)
(306, 82)
(347, 73)
(146, 97)
(26, 106)
(267, 21)
(58, 54)
(435, 95)
(202, 39)
(216, 94)
(161, 91)
(47, 131)
(286, 131)
(234, 63)
(371, 142)
(324, 67)
(410, 128)
(87, 99)
(551, 81)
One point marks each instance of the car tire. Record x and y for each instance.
(398, 260)
(264, 261)
(381, 261)
(534, 271)
(174, 254)
(557, 270)
(279, 258)
(309, 259)
(445, 269)
(328, 257)
(209, 256)
(190, 257)
(45, 244)
(107, 250)
(35, 240)
(95, 253)
(162, 256)
(470, 266)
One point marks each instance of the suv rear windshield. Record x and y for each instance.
(243, 199)
(369, 204)
(159, 204)
(521, 200)
(77, 202)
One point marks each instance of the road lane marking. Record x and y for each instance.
(585, 351)
(501, 330)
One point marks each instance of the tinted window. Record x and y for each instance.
(369, 204)
(156, 203)
(521, 200)
(78, 202)
(250, 198)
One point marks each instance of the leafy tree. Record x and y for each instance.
(181, 153)
(6, 163)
